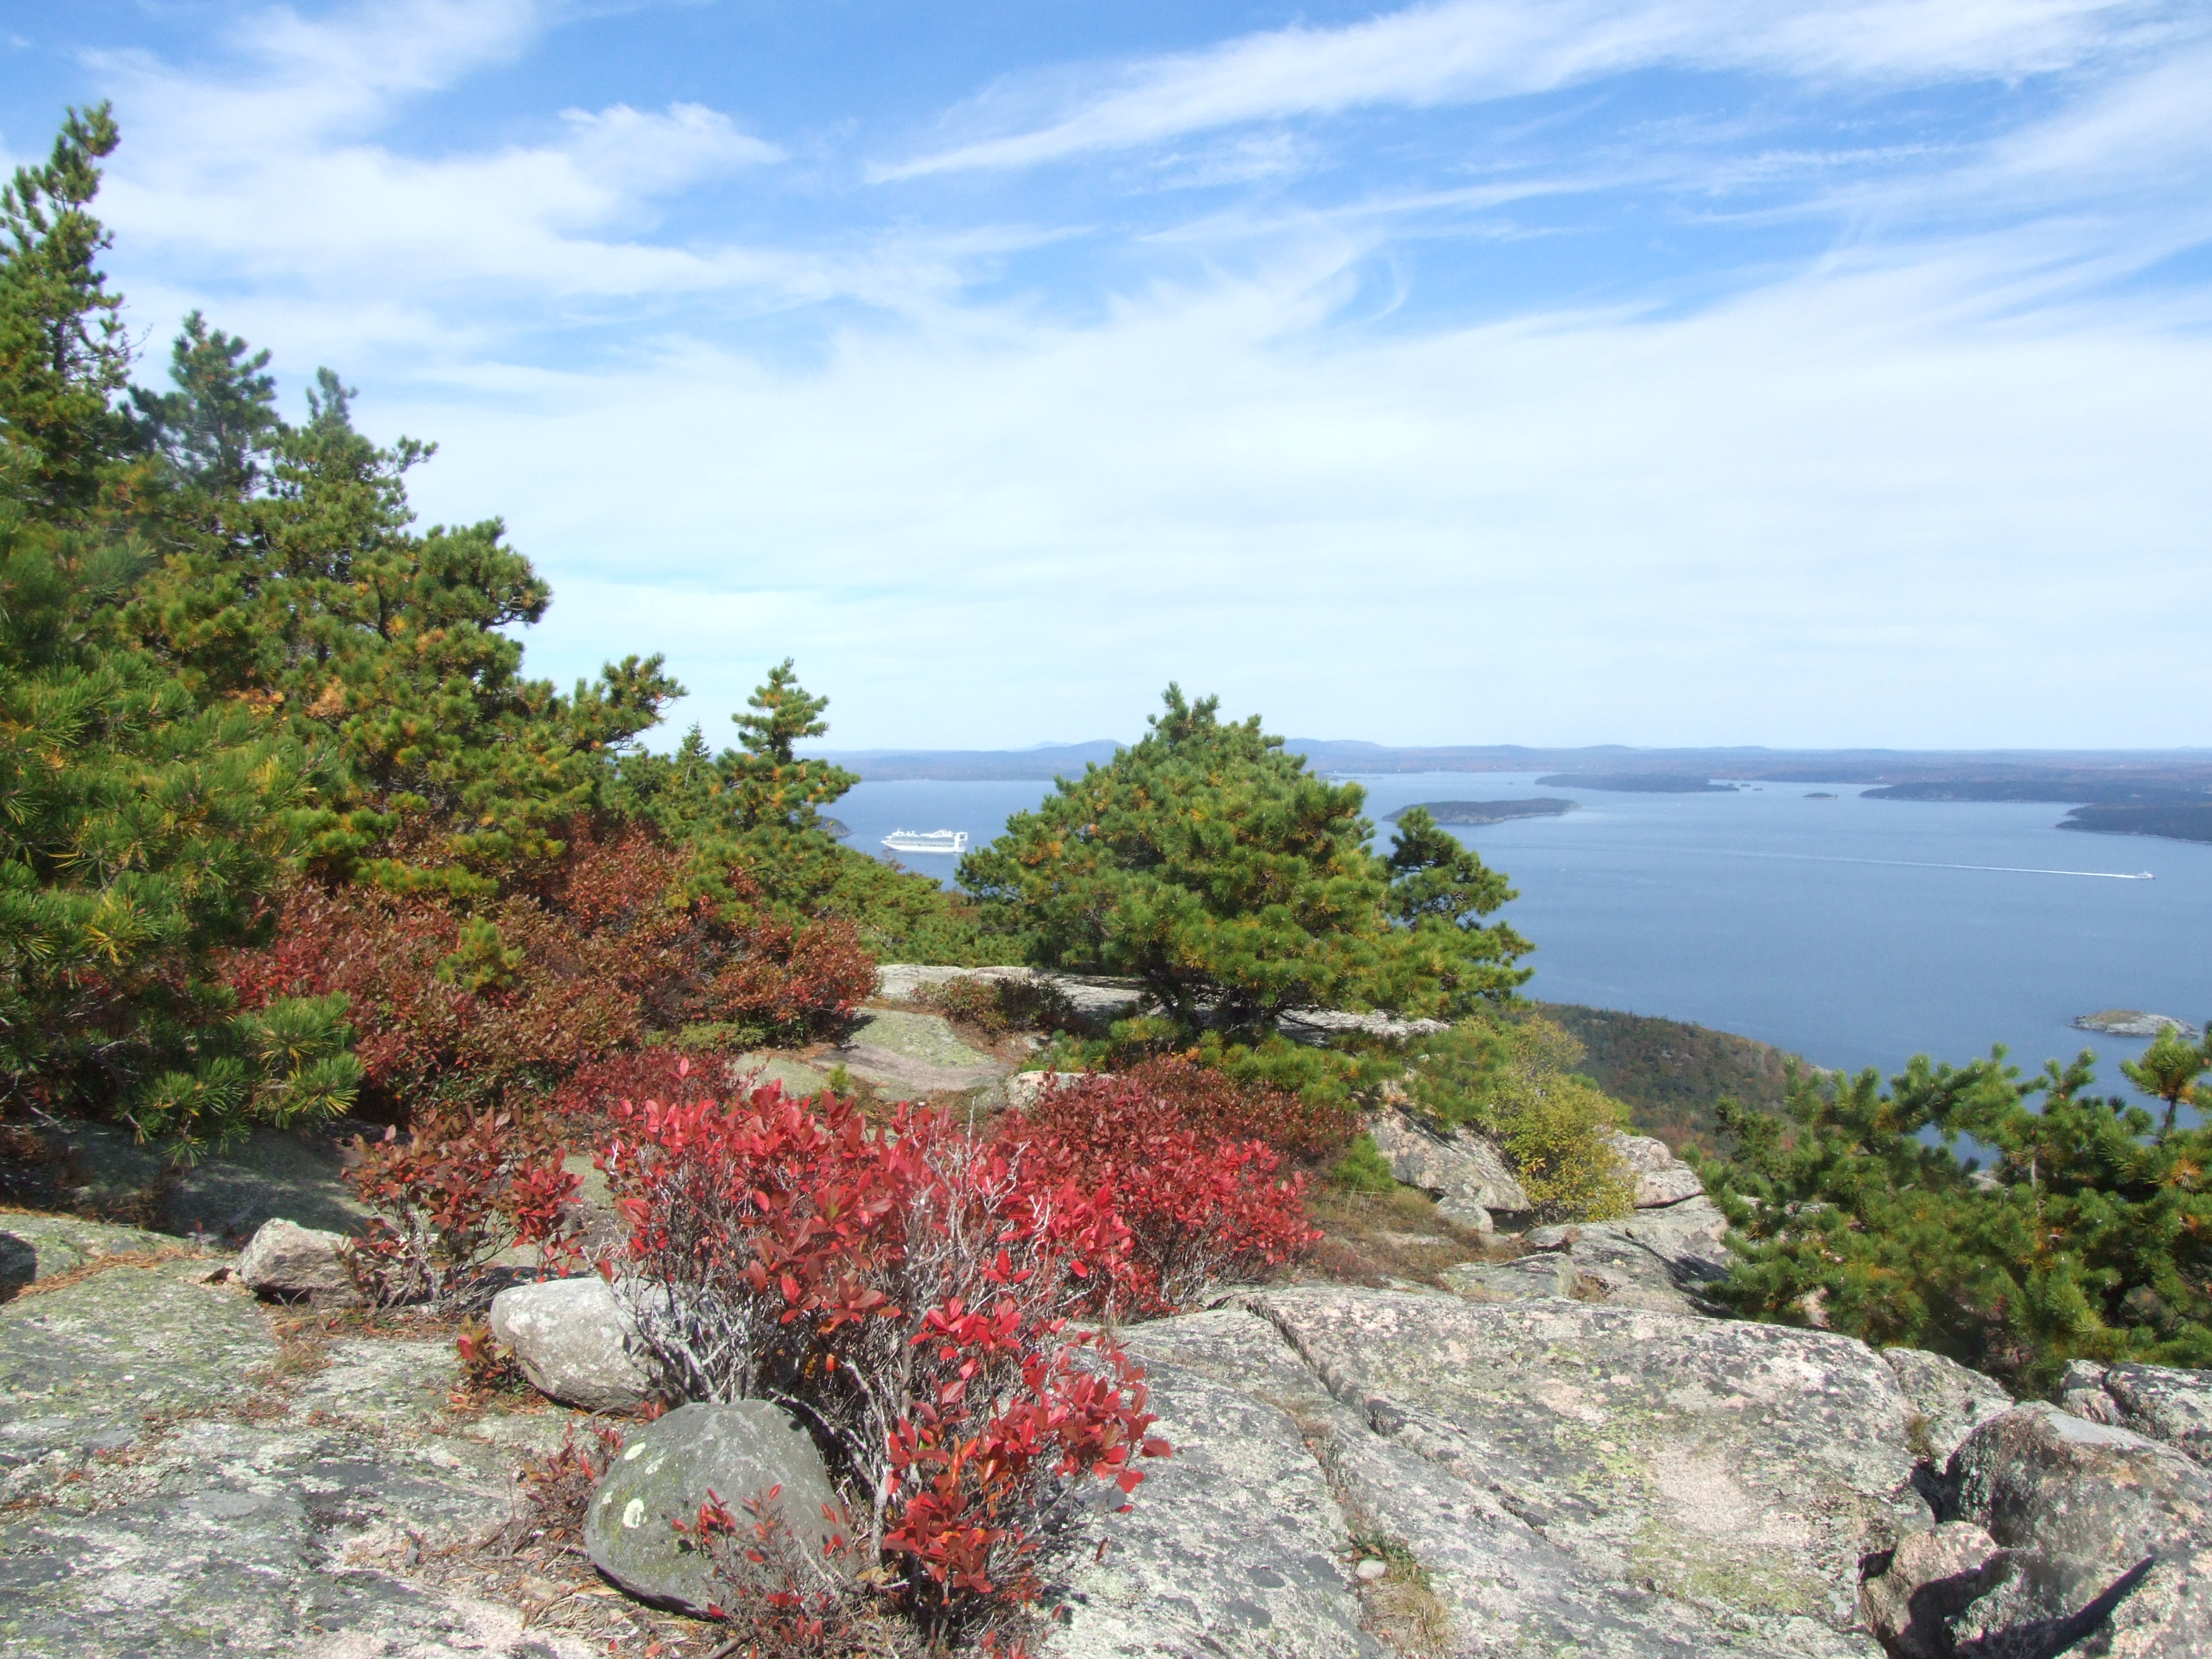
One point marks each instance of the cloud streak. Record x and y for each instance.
(1466, 50)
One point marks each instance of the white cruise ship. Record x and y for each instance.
(926, 841)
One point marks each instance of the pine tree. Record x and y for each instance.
(1206, 861)
(137, 829)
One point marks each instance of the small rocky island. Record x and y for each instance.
(1488, 811)
(2134, 1023)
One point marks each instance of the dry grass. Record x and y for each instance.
(77, 1275)
(1376, 1238)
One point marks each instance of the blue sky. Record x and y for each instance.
(1538, 370)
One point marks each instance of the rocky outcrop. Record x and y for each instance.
(2161, 1402)
(1660, 1178)
(736, 1453)
(1949, 1401)
(1230, 1546)
(1462, 1164)
(1659, 1260)
(177, 1483)
(576, 1342)
(288, 1263)
(2090, 1531)
(1100, 1001)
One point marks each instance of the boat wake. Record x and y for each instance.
(1921, 864)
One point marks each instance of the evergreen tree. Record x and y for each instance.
(1208, 863)
(137, 829)
(2089, 1237)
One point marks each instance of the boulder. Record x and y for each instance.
(1660, 1178)
(1462, 1165)
(576, 1342)
(286, 1263)
(2103, 1532)
(1913, 1593)
(1466, 1214)
(1949, 1401)
(2163, 1402)
(737, 1453)
(1025, 1089)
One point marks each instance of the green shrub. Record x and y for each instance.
(1363, 1168)
(1513, 1078)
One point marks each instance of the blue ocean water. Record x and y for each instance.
(1854, 931)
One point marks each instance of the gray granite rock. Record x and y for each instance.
(910, 1055)
(1913, 1593)
(1025, 1089)
(2164, 1402)
(181, 1494)
(1608, 1480)
(576, 1342)
(1660, 1178)
(1949, 1401)
(739, 1452)
(1096, 999)
(1463, 1164)
(1659, 1260)
(2107, 1535)
(1466, 1214)
(1230, 1547)
(35, 1247)
(291, 1263)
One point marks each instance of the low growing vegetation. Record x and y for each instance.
(2087, 1236)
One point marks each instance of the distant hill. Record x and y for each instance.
(1487, 812)
(1670, 1073)
(1638, 783)
(2076, 775)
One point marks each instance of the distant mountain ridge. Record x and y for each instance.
(2061, 776)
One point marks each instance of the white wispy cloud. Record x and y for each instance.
(1469, 49)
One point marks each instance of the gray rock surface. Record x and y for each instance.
(291, 1263)
(1608, 1481)
(1916, 1591)
(576, 1342)
(1949, 1401)
(35, 1247)
(1659, 1260)
(1462, 1165)
(177, 1490)
(1231, 1546)
(1025, 1089)
(908, 1056)
(2164, 1402)
(737, 1452)
(1466, 1214)
(1660, 1178)
(2103, 1531)
(1099, 1001)
(792, 1074)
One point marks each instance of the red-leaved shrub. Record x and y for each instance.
(498, 1006)
(1209, 1101)
(905, 1290)
(1199, 1205)
(457, 1192)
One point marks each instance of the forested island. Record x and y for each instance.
(1488, 811)
(1637, 783)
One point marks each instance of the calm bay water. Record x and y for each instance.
(1854, 931)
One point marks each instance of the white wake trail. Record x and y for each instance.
(1920, 864)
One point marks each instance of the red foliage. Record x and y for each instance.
(905, 1290)
(460, 1191)
(1198, 1207)
(1213, 1103)
(604, 946)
